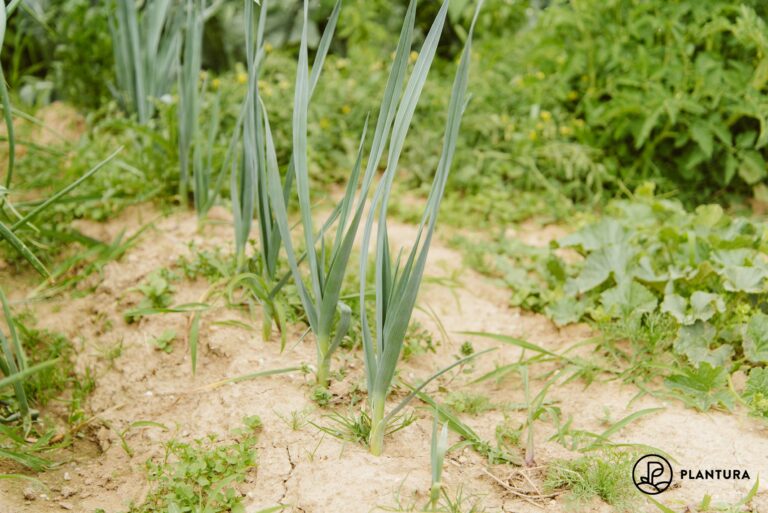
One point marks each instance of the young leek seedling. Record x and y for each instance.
(437, 457)
(397, 282)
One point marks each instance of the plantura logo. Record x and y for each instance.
(652, 474)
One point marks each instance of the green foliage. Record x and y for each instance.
(670, 91)
(157, 292)
(44, 345)
(46, 42)
(398, 279)
(164, 341)
(603, 475)
(201, 476)
(210, 264)
(756, 392)
(703, 387)
(146, 42)
(652, 272)
(465, 402)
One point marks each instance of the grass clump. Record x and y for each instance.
(201, 476)
(605, 476)
(467, 402)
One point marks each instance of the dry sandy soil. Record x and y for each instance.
(316, 473)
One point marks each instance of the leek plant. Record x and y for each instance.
(250, 190)
(397, 281)
(196, 147)
(4, 97)
(328, 316)
(146, 46)
(14, 365)
(189, 90)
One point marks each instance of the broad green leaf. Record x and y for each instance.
(708, 215)
(607, 261)
(702, 134)
(703, 306)
(703, 388)
(752, 168)
(757, 382)
(756, 339)
(695, 341)
(604, 233)
(566, 310)
(744, 279)
(628, 298)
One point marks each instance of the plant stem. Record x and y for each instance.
(266, 322)
(378, 428)
(323, 361)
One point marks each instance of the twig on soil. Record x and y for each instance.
(527, 497)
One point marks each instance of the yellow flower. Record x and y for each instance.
(203, 75)
(545, 115)
(532, 135)
(561, 59)
(517, 81)
(283, 85)
(265, 87)
(242, 77)
(573, 95)
(540, 75)
(268, 47)
(346, 109)
(413, 56)
(539, 126)
(579, 123)
(325, 123)
(566, 130)
(216, 83)
(377, 65)
(342, 63)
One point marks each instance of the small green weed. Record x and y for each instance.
(466, 402)
(604, 475)
(211, 265)
(356, 428)
(164, 341)
(202, 475)
(157, 291)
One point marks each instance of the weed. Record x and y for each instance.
(157, 292)
(296, 419)
(322, 396)
(702, 388)
(466, 402)
(164, 341)
(418, 341)
(202, 475)
(357, 428)
(212, 265)
(602, 475)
